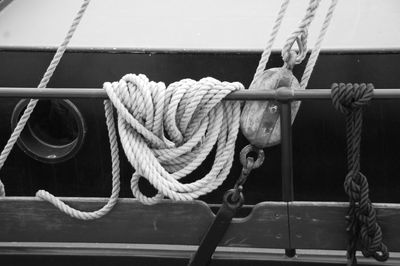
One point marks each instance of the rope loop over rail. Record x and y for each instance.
(167, 132)
(301, 34)
(43, 83)
(362, 224)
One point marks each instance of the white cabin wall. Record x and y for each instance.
(201, 24)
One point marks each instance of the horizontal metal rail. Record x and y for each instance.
(283, 94)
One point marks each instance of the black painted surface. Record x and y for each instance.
(318, 132)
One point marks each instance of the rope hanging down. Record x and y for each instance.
(300, 35)
(260, 122)
(189, 111)
(194, 118)
(192, 115)
(43, 83)
(110, 123)
(361, 219)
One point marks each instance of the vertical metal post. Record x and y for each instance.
(287, 160)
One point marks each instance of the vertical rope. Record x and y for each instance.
(267, 51)
(112, 136)
(317, 48)
(362, 225)
(43, 83)
(301, 33)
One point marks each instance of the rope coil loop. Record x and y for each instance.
(361, 219)
(300, 35)
(194, 119)
(347, 97)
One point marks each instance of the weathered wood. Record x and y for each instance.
(321, 225)
(179, 223)
(179, 251)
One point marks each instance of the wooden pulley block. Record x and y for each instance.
(259, 121)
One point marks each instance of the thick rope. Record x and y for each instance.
(167, 133)
(301, 33)
(268, 49)
(187, 112)
(43, 83)
(110, 124)
(112, 135)
(194, 119)
(312, 60)
(362, 225)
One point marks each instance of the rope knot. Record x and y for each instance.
(362, 224)
(355, 185)
(347, 97)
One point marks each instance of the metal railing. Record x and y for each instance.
(283, 95)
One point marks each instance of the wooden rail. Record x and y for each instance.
(173, 229)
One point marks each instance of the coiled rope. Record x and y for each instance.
(189, 112)
(192, 115)
(362, 225)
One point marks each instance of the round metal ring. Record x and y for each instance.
(229, 201)
(250, 148)
(40, 148)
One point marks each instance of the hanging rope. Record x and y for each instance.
(166, 133)
(362, 223)
(43, 83)
(268, 49)
(300, 35)
(194, 119)
(312, 60)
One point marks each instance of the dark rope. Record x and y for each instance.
(362, 226)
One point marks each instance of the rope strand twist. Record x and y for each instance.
(43, 83)
(167, 132)
(362, 224)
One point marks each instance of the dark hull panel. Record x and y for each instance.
(318, 131)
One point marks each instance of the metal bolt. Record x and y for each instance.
(273, 109)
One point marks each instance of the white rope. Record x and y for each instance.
(301, 33)
(112, 135)
(194, 119)
(317, 47)
(43, 83)
(167, 132)
(267, 51)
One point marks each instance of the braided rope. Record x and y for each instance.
(312, 60)
(362, 225)
(191, 113)
(193, 117)
(112, 135)
(267, 51)
(301, 33)
(43, 83)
